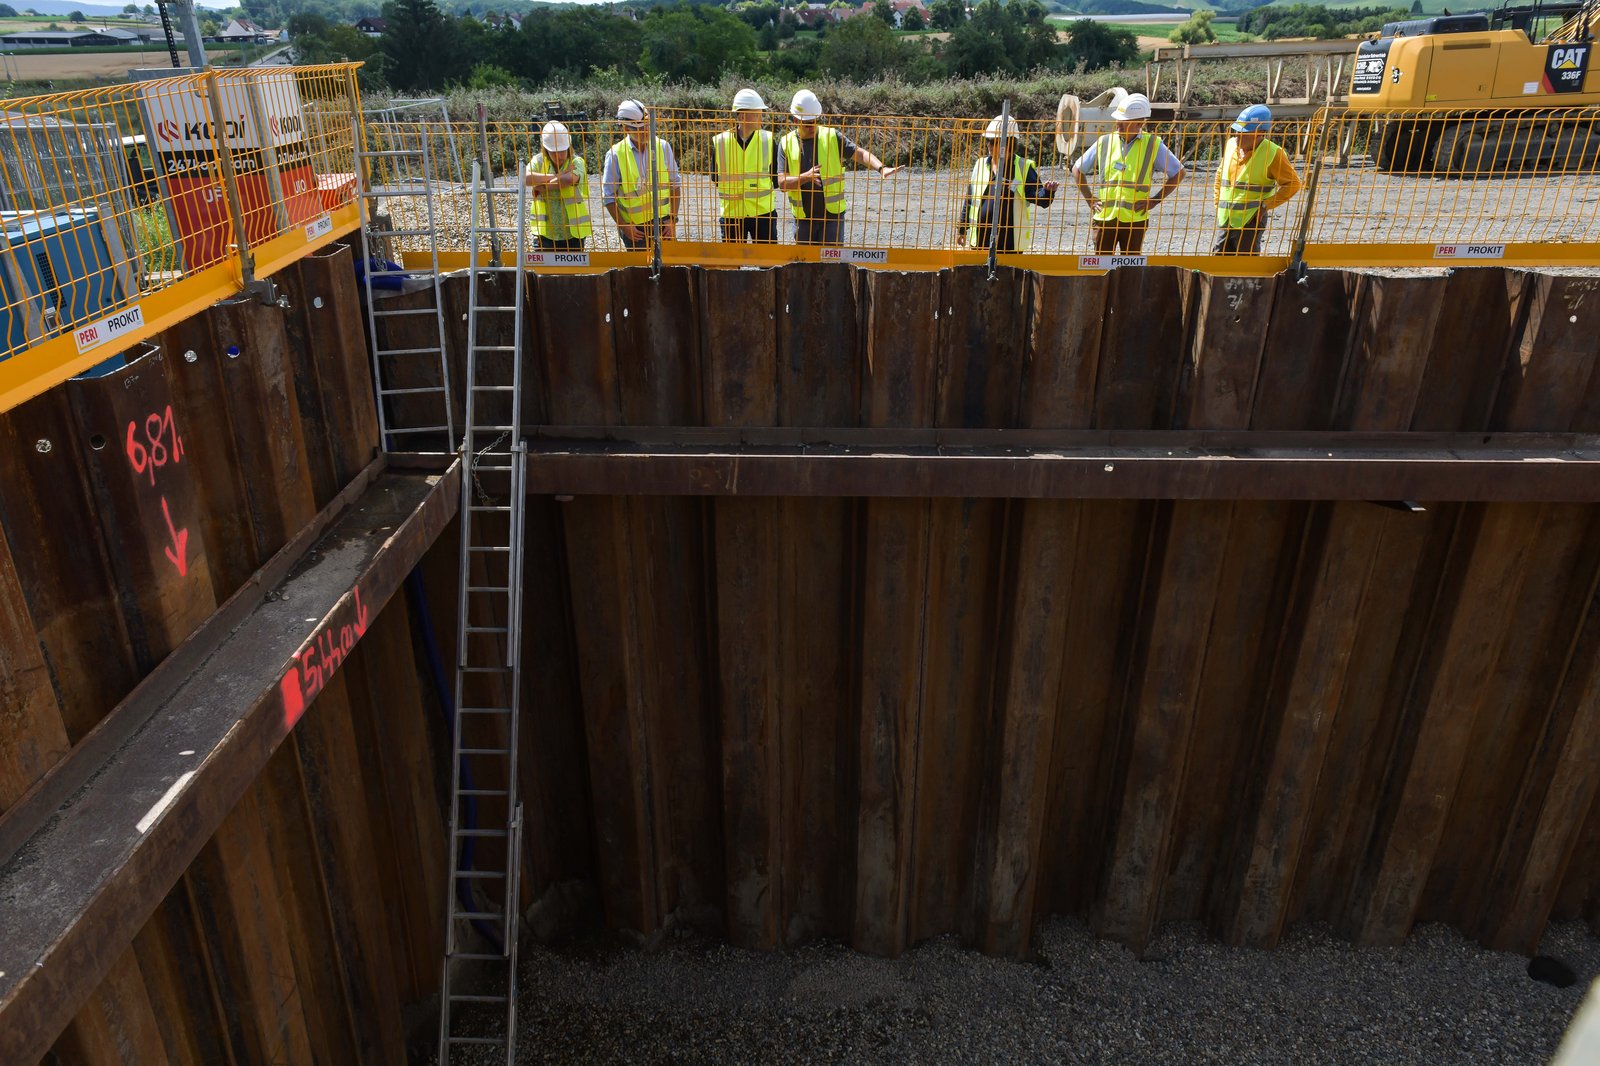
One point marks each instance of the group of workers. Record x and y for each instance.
(1116, 177)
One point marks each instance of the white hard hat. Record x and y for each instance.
(1133, 107)
(630, 111)
(555, 138)
(748, 100)
(805, 106)
(993, 132)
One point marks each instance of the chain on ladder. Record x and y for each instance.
(481, 975)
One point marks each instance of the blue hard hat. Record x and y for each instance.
(1257, 118)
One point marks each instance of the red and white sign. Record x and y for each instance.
(1469, 251)
(879, 256)
(264, 130)
(1109, 262)
(108, 329)
(558, 259)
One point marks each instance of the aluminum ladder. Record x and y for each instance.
(411, 374)
(480, 976)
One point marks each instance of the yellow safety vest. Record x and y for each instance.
(633, 193)
(1021, 209)
(573, 220)
(744, 174)
(1240, 197)
(1125, 172)
(830, 168)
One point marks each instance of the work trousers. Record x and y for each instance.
(827, 230)
(763, 229)
(1242, 240)
(571, 244)
(1110, 237)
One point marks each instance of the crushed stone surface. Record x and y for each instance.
(1438, 999)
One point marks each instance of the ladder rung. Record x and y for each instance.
(410, 392)
(488, 588)
(488, 548)
(486, 915)
(484, 669)
(494, 388)
(478, 956)
(493, 833)
(407, 311)
(487, 629)
(486, 710)
(477, 999)
(496, 307)
(405, 233)
(480, 792)
(494, 1040)
(393, 432)
(480, 875)
(408, 351)
(494, 347)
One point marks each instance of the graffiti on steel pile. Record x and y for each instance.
(320, 658)
(152, 443)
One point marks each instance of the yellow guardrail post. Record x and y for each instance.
(230, 180)
(655, 198)
(1319, 129)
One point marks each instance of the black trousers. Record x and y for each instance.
(571, 244)
(763, 229)
(828, 230)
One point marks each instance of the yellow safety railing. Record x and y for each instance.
(1417, 188)
(127, 208)
(915, 215)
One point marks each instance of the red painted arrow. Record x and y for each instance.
(180, 542)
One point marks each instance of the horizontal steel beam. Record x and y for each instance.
(1178, 465)
(90, 853)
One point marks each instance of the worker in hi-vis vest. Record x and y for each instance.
(625, 183)
(558, 197)
(1002, 193)
(1255, 176)
(813, 172)
(746, 162)
(1125, 163)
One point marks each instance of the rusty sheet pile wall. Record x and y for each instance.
(886, 719)
(133, 505)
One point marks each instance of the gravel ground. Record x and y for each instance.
(1358, 204)
(1439, 999)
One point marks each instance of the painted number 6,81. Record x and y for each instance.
(160, 444)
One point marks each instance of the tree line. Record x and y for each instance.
(425, 49)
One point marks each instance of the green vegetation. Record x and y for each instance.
(152, 238)
(425, 50)
(1197, 30)
(1318, 21)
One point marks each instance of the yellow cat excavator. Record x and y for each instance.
(1509, 91)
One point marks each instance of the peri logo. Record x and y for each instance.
(167, 130)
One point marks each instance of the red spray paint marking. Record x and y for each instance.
(178, 551)
(316, 663)
(160, 446)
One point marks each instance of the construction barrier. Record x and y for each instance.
(128, 208)
(131, 206)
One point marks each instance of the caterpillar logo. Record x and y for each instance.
(1565, 66)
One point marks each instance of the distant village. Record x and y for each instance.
(238, 31)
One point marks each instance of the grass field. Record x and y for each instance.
(22, 66)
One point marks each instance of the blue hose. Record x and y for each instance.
(447, 705)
